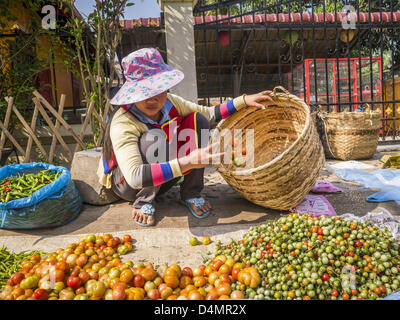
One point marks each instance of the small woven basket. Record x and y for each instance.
(288, 154)
(349, 135)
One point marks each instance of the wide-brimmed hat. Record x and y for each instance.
(147, 75)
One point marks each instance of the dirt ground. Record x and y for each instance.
(167, 241)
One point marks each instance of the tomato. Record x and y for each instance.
(126, 275)
(345, 296)
(199, 281)
(111, 243)
(148, 274)
(17, 277)
(206, 240)
(127, 238)
(30, 282)
(40, 294)
(57, 275)
(237, 295)
(193, 241)
(224, 289)
(165, 293)
(149, 285)
(195, 295)
(208, 270)
(225, 278)
(74, 282)
(358, 244)
(213, 277)
(27, 264)
(382, 288)
(212, 296)
(320, 231)
(84, 276)
(122, 249)
(185, 281)
(325, 277)
(225, 269)
(235, 273)
(154, 294)
(90, 238)
(35, 258)
(198, 272)
(138, 281)
(216, 264)
(354, 292)
(98, 289)
(187, 272)
(135, 294)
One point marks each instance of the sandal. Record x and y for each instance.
(148, 210)
(198, 202)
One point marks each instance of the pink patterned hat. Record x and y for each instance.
(147, 75)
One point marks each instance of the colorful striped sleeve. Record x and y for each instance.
(148, 175)
(215, 113)
(226, 109)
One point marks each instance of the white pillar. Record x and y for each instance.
(178, 15)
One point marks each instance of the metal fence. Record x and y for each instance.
(340, 55)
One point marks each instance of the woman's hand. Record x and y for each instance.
(200, 158)
(253, 100)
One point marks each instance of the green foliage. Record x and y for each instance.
(20, 66)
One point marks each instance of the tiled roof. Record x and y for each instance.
(295, 18)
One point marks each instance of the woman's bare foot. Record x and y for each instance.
(141, 217)
(200, 211)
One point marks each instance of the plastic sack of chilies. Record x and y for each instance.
(55, 204)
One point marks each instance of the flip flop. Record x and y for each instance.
(198, 202)
(148, 210)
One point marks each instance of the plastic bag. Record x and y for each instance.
(317, 205)
(55, 204)
(325, 186)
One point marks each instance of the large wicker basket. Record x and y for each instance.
(349, 135)
(288, 154)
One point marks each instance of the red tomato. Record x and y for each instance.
(334, 292)
(325, 277)
(117, 240)
(235, 273)
(187, 272)
(138, 281)
(40, 294)
(17, 278)
(358, 244)
(74, 282)
(320, 231)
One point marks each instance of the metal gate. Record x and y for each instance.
(341, 55)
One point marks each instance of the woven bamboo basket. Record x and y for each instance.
(350, 135)
(288, 155)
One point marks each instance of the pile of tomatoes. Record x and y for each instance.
(301, 257)
(92, 269)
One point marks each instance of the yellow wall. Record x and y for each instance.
(62, 76)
